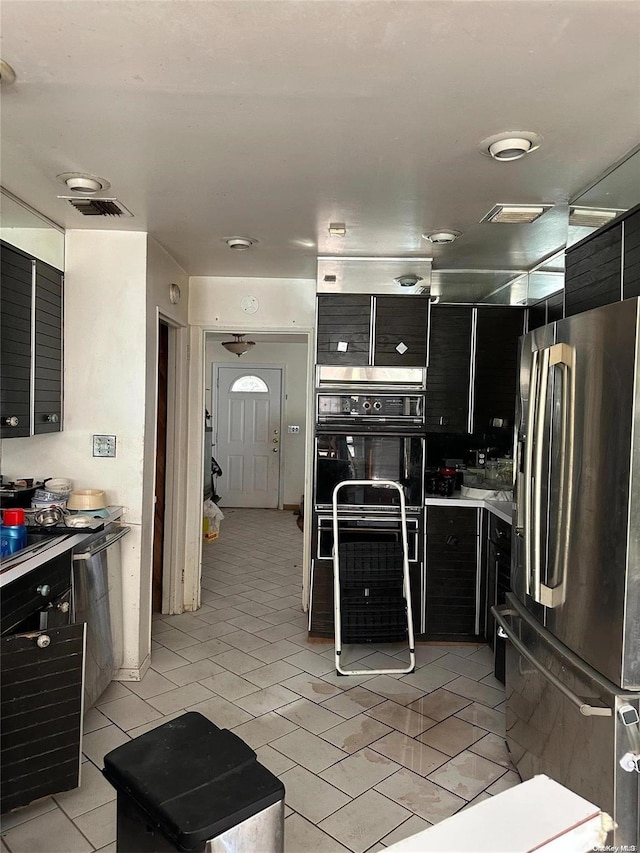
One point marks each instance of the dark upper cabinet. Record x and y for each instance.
(16, 289)
(343, 329)
(360, 329)
(496, 368)
(31, 345)
(593, 271)
(47, 403)
(473, 359)
(401, 328)
(449, 370)
(631, 272)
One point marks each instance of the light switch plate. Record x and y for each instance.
(292, 430)
(104, 445)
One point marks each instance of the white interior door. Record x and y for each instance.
(248, 435)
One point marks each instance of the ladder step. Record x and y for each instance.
(370, 564)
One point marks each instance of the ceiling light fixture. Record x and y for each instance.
(408, 280)
(83, 184)
(238, 346)
(441, 237)
(337, 229)
(239, 244)
(510, 145)
(7, 74)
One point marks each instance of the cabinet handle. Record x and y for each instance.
(63, 607)
(43, 641)
(44, 589)
(52, 419)
(13, 421)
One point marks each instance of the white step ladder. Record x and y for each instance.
(368, 567)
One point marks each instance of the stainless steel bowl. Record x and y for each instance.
(48, 517)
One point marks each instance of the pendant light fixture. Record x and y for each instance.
(238, 346)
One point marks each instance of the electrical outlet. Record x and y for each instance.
(292, 430)
(104, 445)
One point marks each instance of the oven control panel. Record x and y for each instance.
(392, 406)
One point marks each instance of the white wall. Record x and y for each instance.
(45, 243)
(113, 281)
(294, 358)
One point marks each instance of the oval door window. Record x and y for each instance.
(249, 383)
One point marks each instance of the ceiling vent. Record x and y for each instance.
(592, 217)
(515, 214)
(98, 206)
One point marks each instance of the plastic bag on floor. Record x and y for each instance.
(211, 517)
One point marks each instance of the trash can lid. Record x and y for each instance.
(192, 779)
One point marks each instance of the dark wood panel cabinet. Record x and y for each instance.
(593, 271)
(401, 327)
(361, 329)
(453, 574)
(631, 270)
(472, 372)
(31, 345)
(496, 368)
(16, 288)
(41, 686)
(449, 371)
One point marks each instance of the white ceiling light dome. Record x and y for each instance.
(239, 244)
(443, 236)
(510, 145)
(238, 346)
(81, 183)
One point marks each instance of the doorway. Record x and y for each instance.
(248, 433)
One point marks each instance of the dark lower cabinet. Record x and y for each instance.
(41, 686)
(454, 606)
(498, 585)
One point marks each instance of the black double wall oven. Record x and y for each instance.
(366, 433)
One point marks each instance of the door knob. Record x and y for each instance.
(275, 449)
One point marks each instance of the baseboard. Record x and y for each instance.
(291, 507)
(126, 673)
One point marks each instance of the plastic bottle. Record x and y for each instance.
(13, 532)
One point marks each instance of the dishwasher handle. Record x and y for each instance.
(584, 708)
(102, 545)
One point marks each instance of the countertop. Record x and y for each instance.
(502, 509)
(18, 565)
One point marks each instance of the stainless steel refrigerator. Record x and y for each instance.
(572, 621)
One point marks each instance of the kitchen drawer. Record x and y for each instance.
(41, 713)
(452, 519)
(26, 597)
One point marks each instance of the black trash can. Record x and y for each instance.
(192, 787)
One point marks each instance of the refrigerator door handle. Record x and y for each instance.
(562, 356)
(584, 708)
(526, 527)
(534, 529)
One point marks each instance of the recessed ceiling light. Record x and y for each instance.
(337, 229)
(239, 244)
(515, 214)
(510, 145)
(83, 184)
(7, 74)
(441, 237)
(408, 280)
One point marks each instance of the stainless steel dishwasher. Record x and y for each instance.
(97, 600)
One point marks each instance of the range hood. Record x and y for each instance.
(391, 276)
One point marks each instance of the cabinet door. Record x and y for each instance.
(496, 368)
(449, 370)
(453, 588)
(15, 331)
(592, 272)
(343, 319)
(632, 255)
(41, 711)
(401, 330)
(47, 404)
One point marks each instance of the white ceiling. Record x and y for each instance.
(271, 119)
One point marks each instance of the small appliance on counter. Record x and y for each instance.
(19, 492)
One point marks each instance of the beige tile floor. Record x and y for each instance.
(366, 760)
